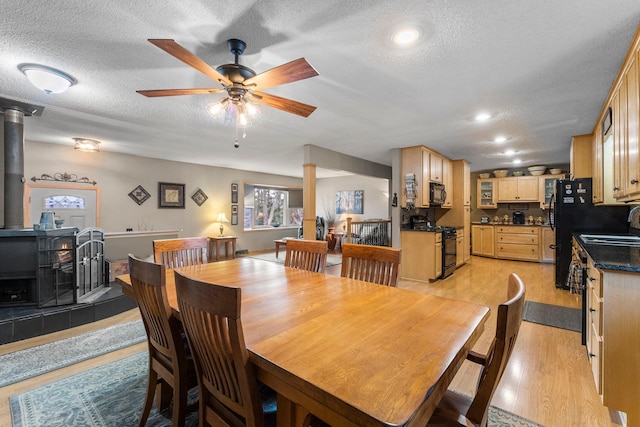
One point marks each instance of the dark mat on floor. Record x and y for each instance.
(553, 315)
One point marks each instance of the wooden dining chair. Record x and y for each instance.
(174, 253)
(376, 264)
(229, 391)
(307, 254)
(171, 369)
(459, 410)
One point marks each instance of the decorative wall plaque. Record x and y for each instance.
(139, 195)
(199, 197)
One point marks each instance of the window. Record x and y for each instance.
(270, 206)
(64, 202)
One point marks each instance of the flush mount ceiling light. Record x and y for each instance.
(405, 36)
(47, 79)
(88, 145)
(482, 117)
(500, 139)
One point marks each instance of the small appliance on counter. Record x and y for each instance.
(484, 220)
(518, 217)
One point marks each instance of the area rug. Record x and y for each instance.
(113, 394)
(271, 256)
(24, 364)
(553, 315)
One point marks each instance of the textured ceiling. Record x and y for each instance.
(542, 68)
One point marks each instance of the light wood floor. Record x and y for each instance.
(548, 379)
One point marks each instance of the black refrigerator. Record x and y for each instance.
(572, 210)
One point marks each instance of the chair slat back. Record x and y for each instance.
(307, 254)
(211, 317)
(375, 264)
(508, 325)
(174, 253)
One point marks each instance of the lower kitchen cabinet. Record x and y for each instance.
(613, 298)
(518, 242)
(547, 247)
(460, 247)
(421, 255)
(482, 241)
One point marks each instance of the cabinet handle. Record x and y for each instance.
(615, 189)
(634, 181)
(592, 309)
(592, 355)
(591, 278)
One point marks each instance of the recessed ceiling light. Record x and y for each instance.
(517, 161)
(500, 139)
(483, 117)
(509, 152)
(405, 36)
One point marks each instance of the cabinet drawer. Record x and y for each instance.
(517, 230)
(524, 239)
(509, 250)
(595, 313)
(594, 278)
(595, 357)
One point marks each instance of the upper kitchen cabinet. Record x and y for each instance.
(415, 162)
(518, 189)
(616, 168)
(487, 194)
(436, 168)
(581, 156)
(447, 174)
(547, 185)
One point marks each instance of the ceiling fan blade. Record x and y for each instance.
(176, 92)
(284, 104)
(286, 73)
(177, 51)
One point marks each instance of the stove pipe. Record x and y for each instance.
(13, 169)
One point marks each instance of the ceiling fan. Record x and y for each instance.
(241, 83)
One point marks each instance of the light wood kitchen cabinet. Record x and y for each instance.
(435, 167)
(593, 293)
(518, 189)
(487, 197)
(459, 247)
(421, 255)
(447, 173)
(546, 190)
(597, 183)
(518, 242)
(547, 249)
(581, 156)
(631, 189)
(482, 240)
(415, 160)
(459, 215)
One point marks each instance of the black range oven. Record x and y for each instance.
(448, 251)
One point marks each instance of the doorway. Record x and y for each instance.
(76, 206)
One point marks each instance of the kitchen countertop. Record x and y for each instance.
(517, 225)
(608, 257)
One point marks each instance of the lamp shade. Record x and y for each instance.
(222, 217)
(89, 145)
(47, 79)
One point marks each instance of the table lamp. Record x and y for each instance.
(222, 218)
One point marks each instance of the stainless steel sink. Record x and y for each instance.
(610, 239)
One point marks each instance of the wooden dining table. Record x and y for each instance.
(350, 352)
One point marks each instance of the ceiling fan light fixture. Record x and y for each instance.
(88, 145)
(47, 79)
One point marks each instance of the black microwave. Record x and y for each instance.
(437, 194)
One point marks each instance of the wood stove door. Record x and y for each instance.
(78, 206)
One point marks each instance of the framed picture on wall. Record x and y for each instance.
(234, 214)
(350, 202)
(234, 193)
(170, 195)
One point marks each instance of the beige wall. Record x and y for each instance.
(118, 174)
